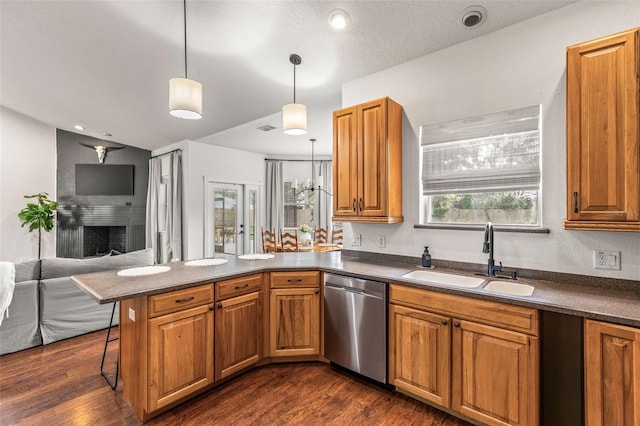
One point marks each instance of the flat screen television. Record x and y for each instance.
(104, 179)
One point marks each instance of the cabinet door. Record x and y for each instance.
(603, 174)
(420, 353)
(294, 322)
(345, 163)
(372, 146)
(180, 355)
(495, 374)
(238, 324)
(612, 374)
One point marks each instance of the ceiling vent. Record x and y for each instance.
(266, 128)
(473, 16)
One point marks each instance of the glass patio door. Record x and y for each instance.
(231, 218)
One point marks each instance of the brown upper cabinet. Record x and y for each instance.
(367, 163)
(603, 155)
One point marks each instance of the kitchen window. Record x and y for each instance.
(298, 206)
(482, 169)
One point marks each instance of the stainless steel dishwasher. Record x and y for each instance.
(355, 325)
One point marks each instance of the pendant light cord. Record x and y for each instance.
(294, 82)
(184, 8)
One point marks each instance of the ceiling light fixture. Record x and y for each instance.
(339, 19)
(185, 96)
(294, 116)
(473, 16)
(310, 186)
(78, 127)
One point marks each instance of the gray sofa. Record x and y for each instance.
(47, 306)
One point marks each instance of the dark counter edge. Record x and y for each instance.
(411, 263)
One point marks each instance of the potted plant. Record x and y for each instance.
(305, 237)
(39, 216)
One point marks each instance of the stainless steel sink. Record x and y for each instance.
(442, 278)
(510, 288)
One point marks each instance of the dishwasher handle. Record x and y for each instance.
(353, 290)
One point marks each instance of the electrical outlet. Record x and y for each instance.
(132, 315)
(606, 259)
(356, 240)
(382, 241)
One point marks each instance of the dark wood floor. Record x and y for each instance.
(60, 384)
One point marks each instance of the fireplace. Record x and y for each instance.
(100, 240)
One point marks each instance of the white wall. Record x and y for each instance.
(27, 166)
(214, 163)
(518, 66)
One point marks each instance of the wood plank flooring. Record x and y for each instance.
(60, 384)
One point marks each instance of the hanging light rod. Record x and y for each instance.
(185, 95)
(294, 116)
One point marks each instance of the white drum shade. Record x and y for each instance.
(185, 98)
(294, 119)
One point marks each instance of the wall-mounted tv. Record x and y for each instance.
(104, 179)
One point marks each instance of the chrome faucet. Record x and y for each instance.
(487, 247)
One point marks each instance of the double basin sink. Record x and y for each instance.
(494, 286)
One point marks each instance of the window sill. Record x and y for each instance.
(497, 228)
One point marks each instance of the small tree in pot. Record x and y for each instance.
(39, 216)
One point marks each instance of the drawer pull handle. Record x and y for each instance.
(354, 204)
(575, 202)
(185, 299)
(444, 322)
(360, 204)
(238, 287)
(296, 280)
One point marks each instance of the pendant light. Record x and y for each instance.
(185, 96)
(294, 116)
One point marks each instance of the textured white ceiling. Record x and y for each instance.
(106, 64)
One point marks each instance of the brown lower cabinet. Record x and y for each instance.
(472, 357)
(294, 325)
(612, 374)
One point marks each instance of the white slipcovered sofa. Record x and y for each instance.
(47, 306)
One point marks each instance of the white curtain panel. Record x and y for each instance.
(323, 201)
(164, 222)
(151, 225)
(274, 220)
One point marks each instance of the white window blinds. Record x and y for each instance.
(489, 153)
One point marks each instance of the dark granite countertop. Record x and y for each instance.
(621, 306)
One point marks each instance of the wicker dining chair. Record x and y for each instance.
(268, 241)
(336, 236)
(320, 235)
(289, 241)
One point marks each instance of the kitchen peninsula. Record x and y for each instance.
(234, 316)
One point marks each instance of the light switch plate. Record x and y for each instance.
(606, 259)
(132, 315)
(356, 240)
(382, 241)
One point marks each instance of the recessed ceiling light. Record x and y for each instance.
(107, 134)
(339, 19)
(78, 127)
(473, 16)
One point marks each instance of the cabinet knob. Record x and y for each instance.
(219, 305)
(317, 291)
(444, 322)
(211, 308)
(456, 324)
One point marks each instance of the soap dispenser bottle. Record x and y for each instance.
(426, 258)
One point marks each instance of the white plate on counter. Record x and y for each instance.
(256, 256)
(144, 270)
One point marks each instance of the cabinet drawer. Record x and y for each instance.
(238, 286)
(510, 317)
(295, 279)
(180, 299)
